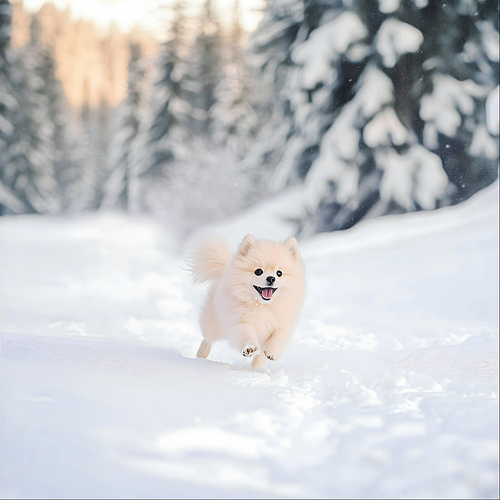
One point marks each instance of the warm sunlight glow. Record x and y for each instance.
(151, 15)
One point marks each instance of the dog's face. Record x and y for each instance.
(265, 270)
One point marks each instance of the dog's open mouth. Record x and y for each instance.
(266, 293)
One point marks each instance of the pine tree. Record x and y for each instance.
(270, 54)
(239, 115)
(5, 25)
(67, 150)
(9, 202)
(234, 115)
(224, 117)
(162, 135)
(388, 107)
(29, 151)
(130, 115)
(204, 71)
(76, 178)
(179, 132)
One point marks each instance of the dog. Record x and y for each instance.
(255, 296)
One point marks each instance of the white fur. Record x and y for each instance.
(210, 258)
(234, 310)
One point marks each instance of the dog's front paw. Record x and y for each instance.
(250, 350)
(270, 355)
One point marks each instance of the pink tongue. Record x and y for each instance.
(267, 293)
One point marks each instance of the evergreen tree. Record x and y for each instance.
(388, 107)
(225, 108)
(234, 115)
(9, 202)
(5, 25)
(241, 112)
(162, 136)
(29, 151)
(68, 163)
(131, 113)
(179, 131)
(76, 178)
(205, 71)
(270, 53)
(95, 123)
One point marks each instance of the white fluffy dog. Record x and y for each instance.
(255, 298)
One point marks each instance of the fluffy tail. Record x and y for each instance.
(210, 258)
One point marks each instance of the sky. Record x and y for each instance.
(150, 15)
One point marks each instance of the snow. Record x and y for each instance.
(308, 89)
(385, 129)
(8, 199)
(447, 101)
(492, 111)
(396, 38)
(388, 6)
(325, 45)
(415, 175)
(490, 40)
(340, 144)
(483, 144)
(5, 126)
(375, 91)
(388, 389)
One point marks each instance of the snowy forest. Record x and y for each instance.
(368, 129)
(374, 107)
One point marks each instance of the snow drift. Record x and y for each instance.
(389, 388)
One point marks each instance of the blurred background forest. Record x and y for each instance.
(371, 107)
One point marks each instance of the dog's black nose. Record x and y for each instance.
(271, 279)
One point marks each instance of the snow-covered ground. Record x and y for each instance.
(388, 389)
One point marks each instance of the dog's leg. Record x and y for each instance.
(258, 361)
(244, 340)
(204, 349)
(250, 349)
(275, 344)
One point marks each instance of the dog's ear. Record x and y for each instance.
(292, 245)
(248, 242)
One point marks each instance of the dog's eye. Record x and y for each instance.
(258, 272)
(279, 274)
